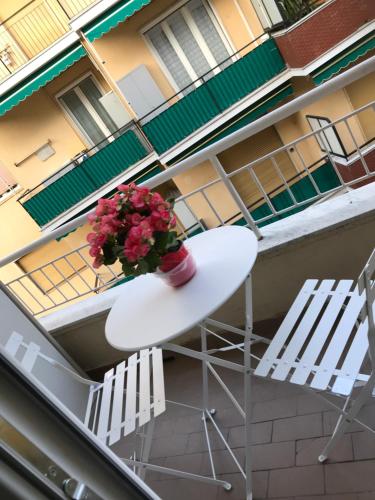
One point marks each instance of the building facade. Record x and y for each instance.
(93, 94)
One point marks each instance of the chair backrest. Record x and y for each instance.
(27, 355)
(15, 318)
(366, 284)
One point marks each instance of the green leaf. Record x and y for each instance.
(153, 260)
(127, 268)
(118, 250)
(142, 268)
(173, 244)
(161, 241)
(109, 255)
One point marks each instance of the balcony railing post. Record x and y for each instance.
(237, 198)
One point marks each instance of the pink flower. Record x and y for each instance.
(101, 239)
(156, 200)
(142, 190)
(91, 238)
(98, 261)
(134, 234)
(157, 222)
(165, 215)
(95, 251)
(146, 230)
(124, 188)
(135, 251)
(138, 201)
(135, 219)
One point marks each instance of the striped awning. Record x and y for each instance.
(113, 17)
(40, 78)
(345, 58)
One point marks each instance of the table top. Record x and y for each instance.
(149, 312)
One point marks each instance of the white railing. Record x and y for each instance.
(238, 196)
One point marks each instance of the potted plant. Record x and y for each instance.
(137, 228)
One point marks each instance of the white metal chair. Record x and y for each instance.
(322, 345)
(124, 403)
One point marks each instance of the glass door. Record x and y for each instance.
(82, 104)
(190, 44)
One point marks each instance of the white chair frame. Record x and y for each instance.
(322, 343)
(118, 395)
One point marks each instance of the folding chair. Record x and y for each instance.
(124, 403)
(322, 345)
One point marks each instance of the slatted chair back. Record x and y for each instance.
(131, 394)
(14, 346)
(321, 341)
(366, 283)
(128, 398)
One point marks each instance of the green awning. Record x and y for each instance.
(112, 17)
(344, 59)
(40, 78)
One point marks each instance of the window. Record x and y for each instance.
(82, 104)
(190, 43)
(328, 139)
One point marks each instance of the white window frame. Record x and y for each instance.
(99, 122)
(181, 6)
(322, 136)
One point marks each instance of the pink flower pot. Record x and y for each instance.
(181, 273)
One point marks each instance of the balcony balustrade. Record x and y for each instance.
(214, 95)
(84, 175)
(32, 29)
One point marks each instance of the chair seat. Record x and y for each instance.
(321, 342)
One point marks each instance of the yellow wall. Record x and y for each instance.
(22, 130)
(332, 107)
(36, 120)
(116, 46)
(360, 93)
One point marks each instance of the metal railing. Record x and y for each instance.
(80, 158)
(256, 193)
(33, 29)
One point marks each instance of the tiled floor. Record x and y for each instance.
(289, 428)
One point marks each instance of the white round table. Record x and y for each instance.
(149, 312)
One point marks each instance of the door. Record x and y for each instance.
(190, 43)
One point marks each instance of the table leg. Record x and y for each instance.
(204, 368)
(247, 383)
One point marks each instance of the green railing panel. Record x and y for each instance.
(246, 75)
(181, 119)
(85, 178)
(303, 190)
(212, 98)
(116, 157)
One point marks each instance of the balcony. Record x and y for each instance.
(314, 35)
(215, 95)
(327, 230)
(182, 119)
(34, 28)
(88, 173)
